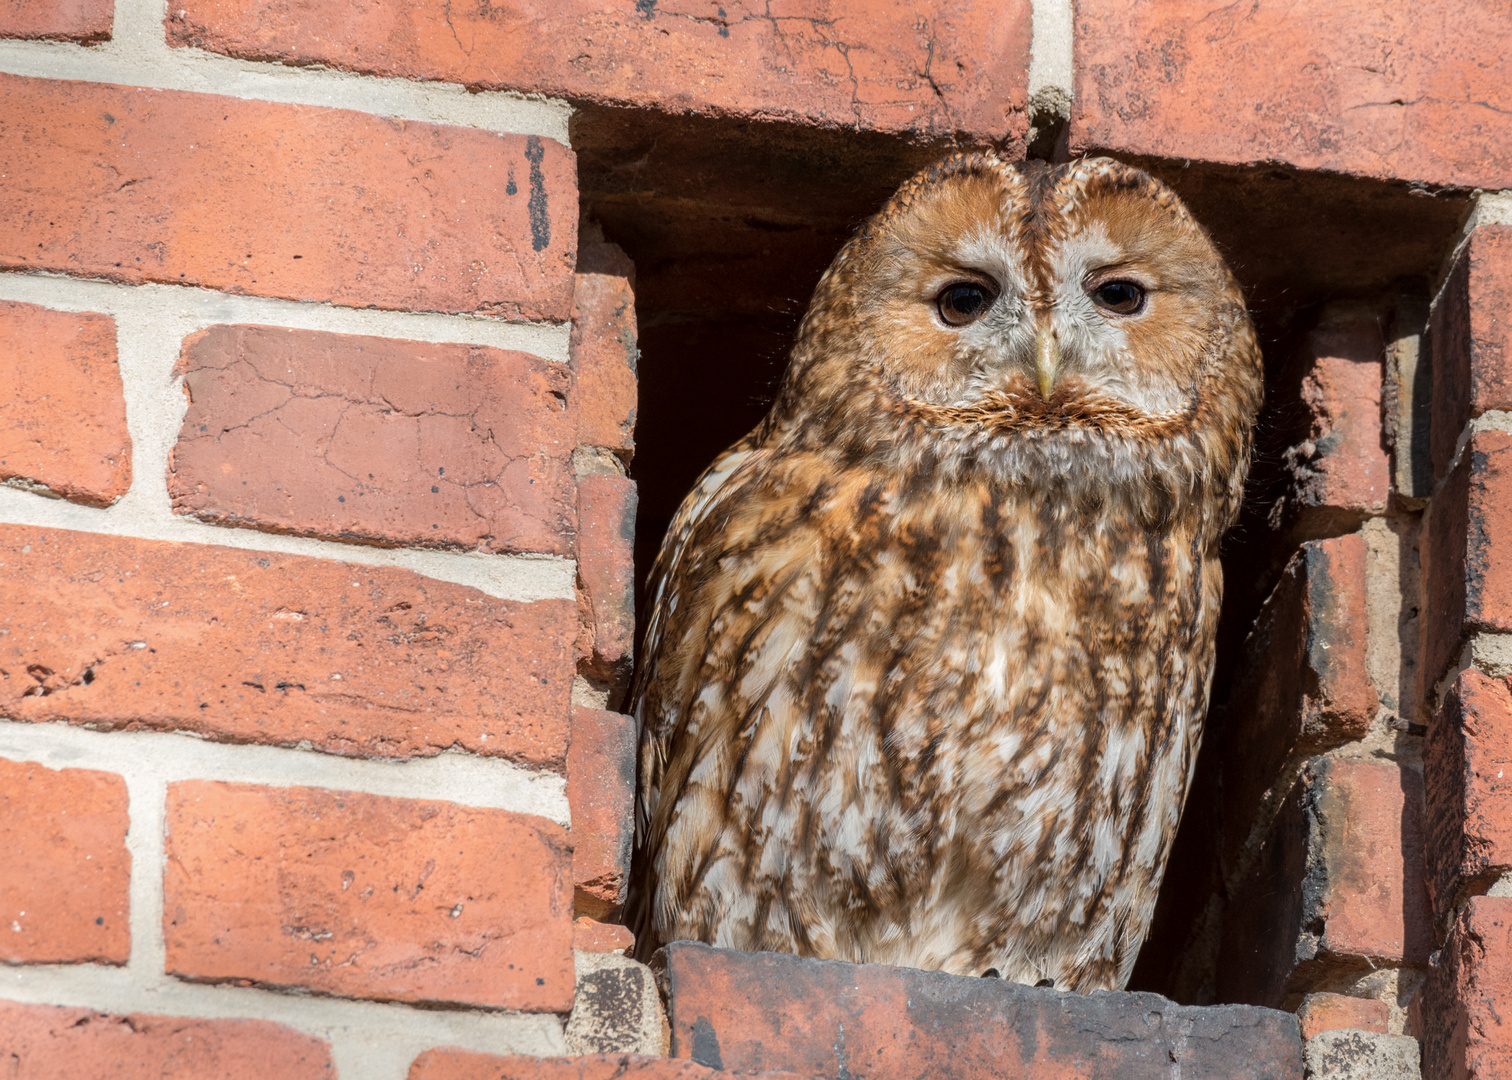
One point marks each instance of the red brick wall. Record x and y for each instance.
(316, 528)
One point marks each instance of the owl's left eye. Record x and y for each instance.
(964, 302)
(1119, 297)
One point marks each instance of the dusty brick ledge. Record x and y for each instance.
(748, 1012)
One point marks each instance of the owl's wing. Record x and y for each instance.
(710, 492)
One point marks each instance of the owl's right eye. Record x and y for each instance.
(963, 302)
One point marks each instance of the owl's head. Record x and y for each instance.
(1025, 313)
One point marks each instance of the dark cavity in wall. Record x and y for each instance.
(730, 223)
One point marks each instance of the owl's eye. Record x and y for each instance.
(964, 302)
(1119, 297)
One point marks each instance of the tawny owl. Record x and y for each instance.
(929, 650)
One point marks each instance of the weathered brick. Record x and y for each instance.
(1467, 753)
(606, 571)
(369, 438)
(453, 1063)
(1362, 1055)
(1465, 1028)
(1334, 1012)
(1341, 471)
(928, 69)
(83, 21)
(1472, 339)
(290, 201)
(752, 1011)
(1370, 89)
(62, 416)
(261, 647)
(367, 896)
(589, 935)
(601, 794)
(1467, 571)
(1303, 684)
(616, 1008)
(65, 887)
(1338, 886)
(604, 348)
(43, 1042)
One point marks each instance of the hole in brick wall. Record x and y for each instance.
(731, 222)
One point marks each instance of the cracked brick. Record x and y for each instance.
(1461, 1012)
(1397, 92)
(1472, 339)
(601, 792)
(367, 896)
(961, 66)
(43, 1042)
(249, 646)
(604, 349)
(376, 440)
(62, 414)
(64, 892)
(291, 201)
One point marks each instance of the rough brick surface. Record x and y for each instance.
(910, 67)
(290, 201)
(262, 647)
(606, 571)
(1467, 554)
(367, 896)
(64, 889)
(1472, 339)
(46, 1043)
(1465, 761)
(589, 935)
(62, 416)
(451, 1063)
(604, 350)
(83, 21)
(1303, 684)
(1338, 885)
(1342, 467)
(1466, 1031)
(1362, 1055)
(1334, 1012)
(601, 793)
(1377, 90)
(751, 1011)
(374, 439)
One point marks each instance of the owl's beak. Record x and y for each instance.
(1046, 359)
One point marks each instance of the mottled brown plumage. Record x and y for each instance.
(929, 650)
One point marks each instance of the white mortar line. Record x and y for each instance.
(138, 54)
(369, 1040)
(147, 792)
(160, 758)
(151, 323)
(1052, 84)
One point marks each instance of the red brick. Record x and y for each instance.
(62, 416)
(601, 795)
(1336, 1012)
(47, 1043)
(83, 21)
(606, 571)
(1467, 753)
(1409, 93)
(260, 647)
(1342, 468)
(1472, 339)
(1467, 554)
(374, 439)
(1465, 1029)
(65, 890)
(589, 935)
(1303, 684)
(1337, 885)
(752, 1011)
(453, 1063)
(604, 350)
(922, 68)
(367, 896)
(290, 201)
